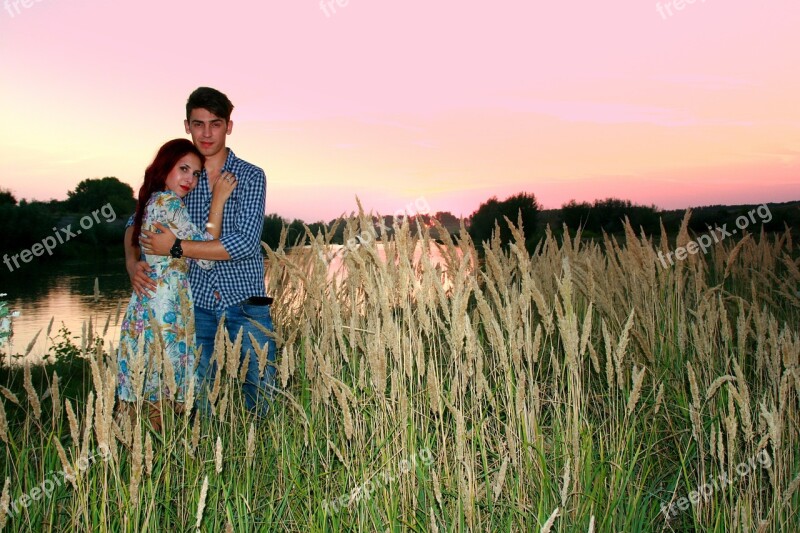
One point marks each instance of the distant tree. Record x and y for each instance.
(575, 214)
(609, 215)
(7, 198)
(91, 194)
(492, 212)
(271, 230)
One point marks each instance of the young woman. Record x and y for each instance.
(165, 318)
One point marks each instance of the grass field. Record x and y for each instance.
(583, 387)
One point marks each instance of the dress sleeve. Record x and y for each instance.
(179, 222)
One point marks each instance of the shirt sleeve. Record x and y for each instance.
(244, 241)
(179, 222)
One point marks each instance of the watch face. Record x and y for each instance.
(176, 251)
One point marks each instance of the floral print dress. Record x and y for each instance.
(169, 311)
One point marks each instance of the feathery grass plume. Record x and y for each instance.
(189, 400)
(33, 398)
(717, 383)
(97, 378)
(218, 456)
(591, 525)
(69, 472)
(743, 400)
(5, 499)
(713, 440)
(55, 398)
(49, 326)
(217, 386)
(433, 389)
(283, 367)
(244, 367)
(550, 521)
(136, 463)
(87, 428)
(586, 331)
(619, 353)
(195, 436)
(731, 429)
(437, 489)
(434, 528)
(148, 455)
(659, 398)
(201, 504)
(638, 380)
(565, 483)
(787, 496)
(774, 425)
(10, 396)
(251, 445)
(3, 423)
(31, 344)
(96, 293)
(222, 406)
(233, 354)
(500, 479)
(693, 386)
(169, 385)
(734, 253)
(74, 430)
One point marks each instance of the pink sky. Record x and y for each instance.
(449, 101)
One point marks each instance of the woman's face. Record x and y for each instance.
(183, 176)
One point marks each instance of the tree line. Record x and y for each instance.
(27, 222)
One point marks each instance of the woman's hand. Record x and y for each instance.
(223, 187)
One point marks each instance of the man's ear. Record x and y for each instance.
(186, 126)
(230, 127)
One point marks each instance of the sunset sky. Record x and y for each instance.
(390, 101)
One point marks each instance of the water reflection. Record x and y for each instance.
(63, 293)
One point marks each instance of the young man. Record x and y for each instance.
(234, 287)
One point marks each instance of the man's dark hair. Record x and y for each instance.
(210, 99)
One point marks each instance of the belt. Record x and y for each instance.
(253, 300)
(259, 300)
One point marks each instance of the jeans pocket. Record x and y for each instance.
(256, 312)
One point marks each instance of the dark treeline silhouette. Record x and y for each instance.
(27, 223)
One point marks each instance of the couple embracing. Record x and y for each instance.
(193, 253)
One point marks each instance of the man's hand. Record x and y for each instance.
(157, 243)
(143, 285)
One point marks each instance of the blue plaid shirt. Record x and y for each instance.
(242, 221)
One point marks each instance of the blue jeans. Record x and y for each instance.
(258, 391)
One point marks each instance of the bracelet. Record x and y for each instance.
(209, 225)
(215, 212)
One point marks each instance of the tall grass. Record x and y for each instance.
(579, 388)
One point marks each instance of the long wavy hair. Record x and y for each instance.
(155, 177)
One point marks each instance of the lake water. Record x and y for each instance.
(65, 293)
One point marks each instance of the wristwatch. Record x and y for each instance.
(176, 251)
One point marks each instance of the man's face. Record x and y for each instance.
(208, 131)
